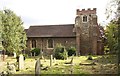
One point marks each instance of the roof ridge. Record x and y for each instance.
(52, 25)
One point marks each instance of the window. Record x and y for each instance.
(84, 18)
(50, 43)
(33, 43)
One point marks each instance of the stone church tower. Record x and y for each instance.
(86, 31)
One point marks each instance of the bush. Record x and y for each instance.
(36, 51)
(71, 51)
(60, 52)
(89, 58)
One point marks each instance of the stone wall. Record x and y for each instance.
(42, 43)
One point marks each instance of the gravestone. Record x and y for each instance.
(21, 62)
(37, 67)
(42, 54)
(31, 54)
(34, 54)
(14, 55)
(54, 61)
(51, 59)
(71, 62)
(42, 57)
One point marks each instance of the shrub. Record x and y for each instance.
(36, 51)
(60, 52)
(71, 51)
(89, 57)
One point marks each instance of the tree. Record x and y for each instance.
(117, 19)
(111, 9)
(111, 33)
(14, 37)
(113, 12)
(1, 32)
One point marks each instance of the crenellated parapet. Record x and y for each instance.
(88, 11)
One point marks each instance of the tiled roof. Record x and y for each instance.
(65, 30)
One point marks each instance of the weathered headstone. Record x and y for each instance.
(14, 55)
(21, 62)
(31, 54)
(71, 62)
(34, 53)
(54, 61)
(37, 67)
(51, 60)
(42, 57)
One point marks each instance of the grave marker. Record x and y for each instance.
(37, 67)
(31, 54)
(21, 62)
(34, 54)
(51, 59)
(14, 54)
(54, 60)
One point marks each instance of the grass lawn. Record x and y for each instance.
(106, 64)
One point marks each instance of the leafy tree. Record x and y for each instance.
(111, 9)
(1, 32)
(116, 3)
(14, 37)
(112, 36)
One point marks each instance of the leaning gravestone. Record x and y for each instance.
(21, 62)
(37, 67)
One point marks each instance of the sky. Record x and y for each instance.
(51, 12)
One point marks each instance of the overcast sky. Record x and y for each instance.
(48, 12)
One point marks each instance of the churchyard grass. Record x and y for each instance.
(105, 64)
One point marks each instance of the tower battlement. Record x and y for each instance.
(88, 11)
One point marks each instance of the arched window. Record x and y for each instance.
(33, 43)
(85, 18)
(50, 43)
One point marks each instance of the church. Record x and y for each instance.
(85, 35)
